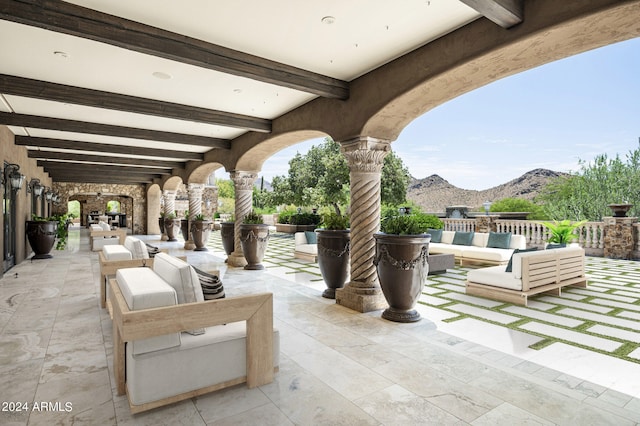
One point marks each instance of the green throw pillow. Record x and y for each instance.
(499, 240)
(311, 237)
(462, 238)
(510, 264)
(436, 235)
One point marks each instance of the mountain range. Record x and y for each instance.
(434, 193)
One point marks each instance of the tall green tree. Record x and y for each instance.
(587, 193)
(321, 177)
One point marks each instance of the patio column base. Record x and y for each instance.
(236, 259)
(361, 299)
(189, 245)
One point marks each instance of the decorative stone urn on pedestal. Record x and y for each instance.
(227, 235)
(200, 231)
(172, 227)
(620, 210)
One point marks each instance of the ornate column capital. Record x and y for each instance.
(194, 187)
(243, 180)
(365, 154)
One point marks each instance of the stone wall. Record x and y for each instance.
(132, 200)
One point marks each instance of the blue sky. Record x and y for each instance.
(548, 117)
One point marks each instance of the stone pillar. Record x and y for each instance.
(365, 157)
(194, 192)
(486, 223)
(169, 198)
(619, 237)
(243, 184)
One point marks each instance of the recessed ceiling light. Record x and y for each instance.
(328, 20)
(61, 54)
(162, 75)
(237, 90)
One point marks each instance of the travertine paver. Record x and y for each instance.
(605, 330)
(543, 316)
(572, 336)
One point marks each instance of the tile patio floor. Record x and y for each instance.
(571, 360)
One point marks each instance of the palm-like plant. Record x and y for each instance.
(562, 232)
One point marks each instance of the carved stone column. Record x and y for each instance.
(169, 198)
(194, 191)
(486, 223)
(243, 184)
(365, 157)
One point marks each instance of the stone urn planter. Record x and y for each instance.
(401, 263)
(184, 228)
(161, 224)
(227, 235)
(620, 210)
(172, 227)
(200, 230)
(254, 238)
(333, 259)
(41, 236)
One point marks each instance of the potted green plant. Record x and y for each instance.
(254, 237)
(171, 226)
(402, 249)
(562, 232)
(200, 230)
(41, 233)
(333, 252)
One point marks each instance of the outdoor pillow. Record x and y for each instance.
(436, 235)
(462, 238)
(500, 240)
(510, 264)
(555, 246)
(311, 237)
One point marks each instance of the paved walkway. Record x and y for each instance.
(337, 366)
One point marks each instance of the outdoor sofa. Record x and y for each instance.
(529, 273)
(476, 247)
(306, 246)
(101, 235)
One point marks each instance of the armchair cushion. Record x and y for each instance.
(116, 252)
(311, 237)
(182, 277)
(137, 247)
(105, 226)
(143, 289)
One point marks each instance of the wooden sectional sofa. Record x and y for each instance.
(532, 272)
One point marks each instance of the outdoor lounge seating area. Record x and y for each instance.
(476, 247)
(360, 373)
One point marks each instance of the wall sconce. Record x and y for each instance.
(487, 206)
(12, 176)
(35, 187)
(48, 194)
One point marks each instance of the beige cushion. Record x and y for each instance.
(447, 237)
(144, 289)
(99, 243)
(495, 276)
(116, 252)
(182, 277)
(137, 247)
(201, 361)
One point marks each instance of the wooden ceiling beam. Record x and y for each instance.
(38, 122)
(505, 13)
(111, 148)
(38, 89)
(51, 155)
(68, 18)
(101, 179)
(99, 168)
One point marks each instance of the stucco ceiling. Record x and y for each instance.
(81, 85)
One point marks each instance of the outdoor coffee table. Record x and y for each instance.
(439, 263)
